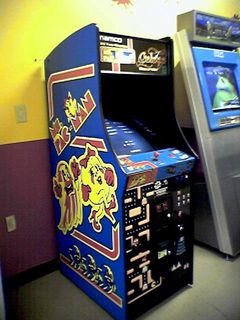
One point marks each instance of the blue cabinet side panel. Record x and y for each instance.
(88, 182)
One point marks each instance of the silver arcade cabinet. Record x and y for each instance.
(210, 65)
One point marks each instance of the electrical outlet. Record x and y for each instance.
(21, 113)
(11, 223)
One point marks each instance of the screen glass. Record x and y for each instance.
(222, 86)
(125, 139)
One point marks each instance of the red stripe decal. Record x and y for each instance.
(80, 142)
(66, 75)
(111, 253)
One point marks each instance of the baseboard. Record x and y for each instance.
(31, 274)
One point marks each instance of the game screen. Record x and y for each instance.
(222, 86)
(125, 139)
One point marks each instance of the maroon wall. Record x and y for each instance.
(26, 192)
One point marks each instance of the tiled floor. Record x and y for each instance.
(214, 296)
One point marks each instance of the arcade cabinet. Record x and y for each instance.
(121, 184)
(211, 71)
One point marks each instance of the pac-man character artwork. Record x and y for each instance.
(98, 186)
(66, 187)
(86, 181)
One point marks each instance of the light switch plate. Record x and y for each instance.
(11, 223)
(21, 113)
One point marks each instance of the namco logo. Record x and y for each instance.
(110, 39)
(218, 54)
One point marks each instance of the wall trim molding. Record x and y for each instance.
(31, 274)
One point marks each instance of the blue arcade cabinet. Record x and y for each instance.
(121, 171)
(210, 66)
